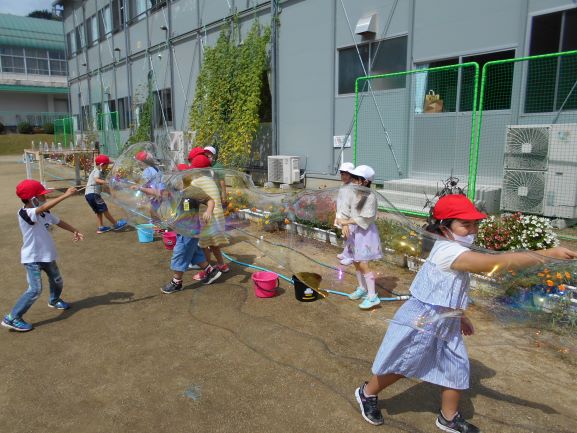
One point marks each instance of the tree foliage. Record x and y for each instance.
(225, 110)
(44, 14)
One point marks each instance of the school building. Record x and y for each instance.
(319, 49)
(33, 84)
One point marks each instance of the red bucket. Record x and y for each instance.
(169, 239)
(265, 284)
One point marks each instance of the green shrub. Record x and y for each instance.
(2, 128)
(25, 128)
(48, 128)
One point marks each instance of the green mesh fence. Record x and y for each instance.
(109, 134)
(64, 131)
(416, 128)
(527, 134)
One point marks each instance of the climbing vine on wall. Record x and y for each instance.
(225, 110)
(142, 130)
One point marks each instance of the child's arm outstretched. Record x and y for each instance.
(49, 204)
(77, 235)
(477, 262)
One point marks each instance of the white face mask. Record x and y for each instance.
(466, 240)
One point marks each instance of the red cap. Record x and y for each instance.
(30, 188)
(182, 167)
(456, 206)
(194, 152)
(143, 155)
(200, 161)
(102, 159)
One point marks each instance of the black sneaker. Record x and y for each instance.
(172, 287)
(212, 274)
(369, 410)
(456, 425)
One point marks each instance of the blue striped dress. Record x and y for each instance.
(424, 338)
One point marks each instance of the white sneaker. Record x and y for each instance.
(369, 303)
(191, 266)
(347, 262)
(359, 293)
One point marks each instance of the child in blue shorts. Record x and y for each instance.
(94, 199)
(186, 250)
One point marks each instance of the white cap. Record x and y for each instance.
(210, 149)
(347, 166)
(365, 172)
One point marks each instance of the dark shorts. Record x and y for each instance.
(96, 203)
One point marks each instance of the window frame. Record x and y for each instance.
(370, 60)
(563, 10)
(445, 61)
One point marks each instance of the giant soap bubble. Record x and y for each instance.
(296, 234)
(137, 182)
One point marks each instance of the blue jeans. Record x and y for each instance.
(185, 252)
(34, 276)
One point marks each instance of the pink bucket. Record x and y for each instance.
(169, 239)
(265, 284)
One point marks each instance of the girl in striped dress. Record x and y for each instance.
(424, 339)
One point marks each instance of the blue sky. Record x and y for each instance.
(24, 7)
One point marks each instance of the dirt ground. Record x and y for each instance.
(127, 358)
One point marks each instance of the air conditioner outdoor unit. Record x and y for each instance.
(541, 170)
(283, 169)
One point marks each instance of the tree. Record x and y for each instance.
(44, 14)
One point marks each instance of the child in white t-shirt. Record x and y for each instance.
(38, 250)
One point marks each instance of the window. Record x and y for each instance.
(117, 15)
(549, 81)
(163, 108)
(104, 23)
(498, 84)
(137, 8)
(92, 30)
(36, 61)
(380, 57)
(123, 108)
(57, 63)
(455, 85)
(157, 4)
(80, 37)
(71, 43)
(12, 60)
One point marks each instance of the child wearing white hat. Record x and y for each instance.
(363, 243)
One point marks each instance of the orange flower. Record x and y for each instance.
(559, 276)
(561, 287)
(286, 221)
(546, 270)
(550, 283)
(567, 275)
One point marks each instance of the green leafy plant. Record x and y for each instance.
(48, 128)
(2, 128)
(25, 128)
(516, 231)
(142, 130)
(227, 103)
